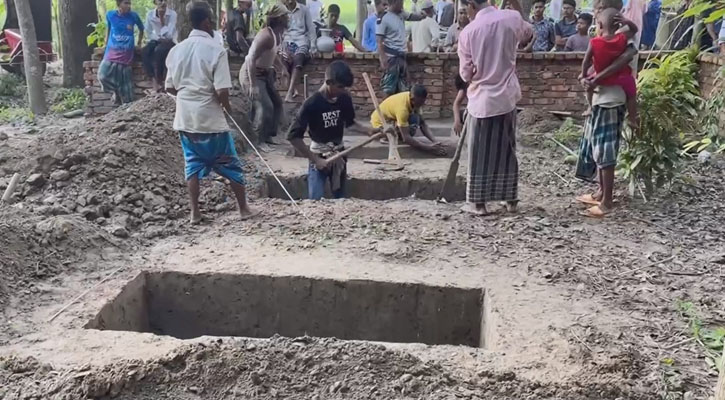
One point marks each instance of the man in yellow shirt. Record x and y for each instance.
(403, 110)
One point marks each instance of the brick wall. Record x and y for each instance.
(548, 80)
(710, 65)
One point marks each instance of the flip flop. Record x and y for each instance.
(470, 209)
(587, 199)
(596, 212)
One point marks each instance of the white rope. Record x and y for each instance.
(267, 165)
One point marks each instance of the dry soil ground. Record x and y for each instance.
(579, 308)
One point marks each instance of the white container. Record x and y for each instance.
(325, 43)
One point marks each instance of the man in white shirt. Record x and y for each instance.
(425, 34)
(161, 31)
(200, 79)
(315, 8)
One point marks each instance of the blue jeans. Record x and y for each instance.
(316, 184)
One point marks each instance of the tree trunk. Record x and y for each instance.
(362, 15)
(183, 25)
(75, 15)
(33, 70)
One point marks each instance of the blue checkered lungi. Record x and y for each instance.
(599, 146)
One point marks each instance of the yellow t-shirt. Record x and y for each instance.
(396, 108)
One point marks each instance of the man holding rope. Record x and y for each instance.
(199, 77)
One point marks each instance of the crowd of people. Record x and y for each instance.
(196, 71)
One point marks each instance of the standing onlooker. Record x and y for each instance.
(115, 72)
(445, 13)
(544, 35)
(238, 23)
(370, 41)
(682, 37)
(315, 8)
(580, 41)
(161, 31)
(493, 91)
(425, 33)
(258, 77)
(392, 47)
(454, 32)
(340, 32)
(567, 26)
(300, 42)
(650, 22)
(710, 34)
(199, 77)
(721, 41)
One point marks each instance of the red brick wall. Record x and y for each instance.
(710, 65)
(548, 80)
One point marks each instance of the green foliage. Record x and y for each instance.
(68, 100)
(569, 132)
(11, 85)
(669, 101)
(710, 340)
(16, 115)
(711, 121)
(97, 38)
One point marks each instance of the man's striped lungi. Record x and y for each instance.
(493, 169)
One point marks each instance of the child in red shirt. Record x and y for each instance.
(604, 50)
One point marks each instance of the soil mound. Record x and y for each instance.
(302, 368)
(533, 120)
(124, 171)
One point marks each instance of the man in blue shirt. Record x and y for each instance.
(650, 21)
(370, 42)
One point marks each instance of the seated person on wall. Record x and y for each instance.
(326, 115)
(115, 72)
(237, 28)
(566, 27)
(161, 31)
(300, 43)
(340, 32)
(580, 41)
(451, 42)
(403, 111)
(544, 35)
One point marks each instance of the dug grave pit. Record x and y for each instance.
(219, 304)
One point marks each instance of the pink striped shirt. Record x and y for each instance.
(487, 53)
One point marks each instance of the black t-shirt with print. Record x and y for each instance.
(326, 120)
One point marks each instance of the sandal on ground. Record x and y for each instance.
(588, 199)
(473, 210)
(597, 212)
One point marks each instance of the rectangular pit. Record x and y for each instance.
(192, 305)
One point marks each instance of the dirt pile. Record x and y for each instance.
(302, 368)
(35, 247)
(533, 120)
(124, 171)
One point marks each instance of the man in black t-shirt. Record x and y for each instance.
(238, 23)
(325, 115)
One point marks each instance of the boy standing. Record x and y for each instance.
(544, 35)
(393, 46)
(326, 114)
(567, 26)
(580, 41)
(340, 32)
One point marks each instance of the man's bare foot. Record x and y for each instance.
(248, 213)
(599, 211)
(590, 199)
(475, 209)
(195, 217)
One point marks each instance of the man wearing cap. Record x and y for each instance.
(392, 47)
(425, 33)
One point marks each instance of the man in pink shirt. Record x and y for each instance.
(487, 53)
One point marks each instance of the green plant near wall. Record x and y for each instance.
(97, 38)
(711, 340)
(68, 100)
(668, 99)
(712, 120)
